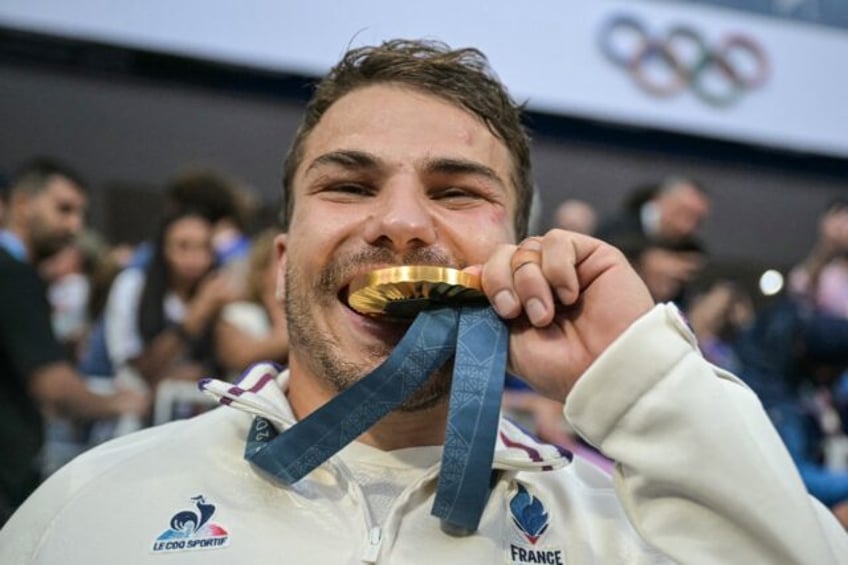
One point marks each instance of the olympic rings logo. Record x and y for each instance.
(665, 65)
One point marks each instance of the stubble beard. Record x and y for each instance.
(322, 354)
(45, 242)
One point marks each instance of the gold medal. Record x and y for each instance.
(404, 291)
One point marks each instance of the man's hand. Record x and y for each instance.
(217, 290)
(59, 389)
(567, 298)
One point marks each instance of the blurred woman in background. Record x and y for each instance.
(254, 329)
(159, 319)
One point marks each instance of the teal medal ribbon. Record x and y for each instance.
(479, 341)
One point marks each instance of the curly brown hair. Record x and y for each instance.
(462, 77)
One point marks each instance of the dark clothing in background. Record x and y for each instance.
(779, 354)
(788, 339)
(27, 343)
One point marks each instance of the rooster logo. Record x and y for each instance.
(194, 524)
(528, 514)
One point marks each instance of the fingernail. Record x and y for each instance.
(505, 302)
(566, 294)
(535, 310)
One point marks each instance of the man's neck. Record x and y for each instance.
(306, 393)
(409, 429)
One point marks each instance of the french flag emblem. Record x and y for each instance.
(528, 514)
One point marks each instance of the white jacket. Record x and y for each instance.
(701, 478)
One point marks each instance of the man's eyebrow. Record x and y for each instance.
(462, 167)
(353, 159)
(349, 159)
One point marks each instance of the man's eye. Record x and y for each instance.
(454, 193)
(351, 188)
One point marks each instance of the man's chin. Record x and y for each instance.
(434, 392)
(48, 250)
(420, 403)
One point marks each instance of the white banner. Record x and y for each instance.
(546, 51)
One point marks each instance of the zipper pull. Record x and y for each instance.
(372, 549)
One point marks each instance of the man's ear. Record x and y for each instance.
(280, 248)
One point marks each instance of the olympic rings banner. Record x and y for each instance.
(677, 66)
(682, 58)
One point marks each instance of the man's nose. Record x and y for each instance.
(402, 218)
(75, 222)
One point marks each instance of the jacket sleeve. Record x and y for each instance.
(700, 471)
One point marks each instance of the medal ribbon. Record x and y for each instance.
(478, 339)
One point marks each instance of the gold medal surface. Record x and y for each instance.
(404, 291)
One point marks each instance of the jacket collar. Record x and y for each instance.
(261, 391)
(13, 246)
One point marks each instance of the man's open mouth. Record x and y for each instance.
(390, 317)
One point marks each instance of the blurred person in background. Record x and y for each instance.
(226, 203)
(207, 193)
(795, 356)
(253, 329)
(671, 211)
(792, 356)
(159, 320)
(717, 314)
(658, 231)
(577, 216)
(822, 277)
(69, 275)
(223, 205)
(46, 208)
(94, 359)
(666, 267)
(223, 202)
(821, 280)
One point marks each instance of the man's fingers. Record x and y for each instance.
(496, 278)
(530, 284)
(533, 276)
(560, 251)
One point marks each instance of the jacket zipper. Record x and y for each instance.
(372, 548)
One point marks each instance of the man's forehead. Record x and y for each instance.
(403, 124)
(62, 190)
(60, 185)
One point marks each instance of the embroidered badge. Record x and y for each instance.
(531, 519)
(192, 529)
(528, 514)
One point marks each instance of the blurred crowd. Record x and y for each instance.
(99, 338)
